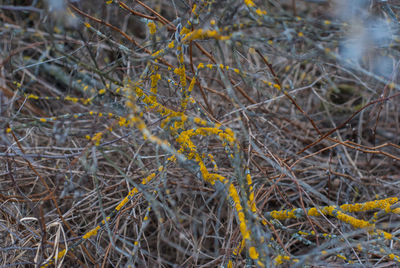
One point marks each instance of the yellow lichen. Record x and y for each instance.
(152, 27)
(253, 253)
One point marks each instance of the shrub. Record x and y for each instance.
(201, 133)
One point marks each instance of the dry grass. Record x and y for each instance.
(311, 127)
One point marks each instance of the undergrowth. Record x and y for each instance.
(199, 133)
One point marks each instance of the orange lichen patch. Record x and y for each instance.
(200, 34)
